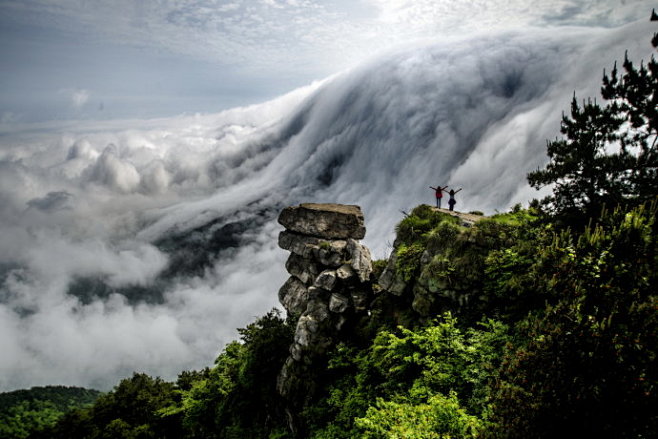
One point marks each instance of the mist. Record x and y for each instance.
(141, 245)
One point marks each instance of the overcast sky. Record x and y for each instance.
(79, 59)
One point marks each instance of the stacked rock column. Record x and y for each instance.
(329, 286)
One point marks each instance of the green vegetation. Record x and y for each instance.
(535, 323)
(588, 359)
(234, 399)
(609, 155)
(26, 411)
(439, 372)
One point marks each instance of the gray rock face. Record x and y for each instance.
(330, 284)
(326, 252)
(334, 221)
(360, 300)
(303, 269)
(338, 303)
(326, 280)
(361, 259)
(345, 271)
(293, 295)
(301, 245)
(390, 280)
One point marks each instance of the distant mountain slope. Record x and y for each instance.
(24, 411)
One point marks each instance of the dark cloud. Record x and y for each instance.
(52, 201)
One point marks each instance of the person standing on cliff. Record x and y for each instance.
(438, 192)
(452, 201)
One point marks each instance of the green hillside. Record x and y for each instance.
(25, 411)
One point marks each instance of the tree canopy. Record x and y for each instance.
(609, 153)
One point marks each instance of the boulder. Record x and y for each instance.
(390, 280)
(338, 303)
(326, 280)
(293, 295)
(361, 260)
(333, 221)
(344, 272)
(298, 244)
(303, 269)
(330, 253)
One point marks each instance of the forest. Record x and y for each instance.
(24, 411)
(539, 322)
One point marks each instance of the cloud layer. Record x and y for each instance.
(318, 33)
(98, 224)
(152, 58)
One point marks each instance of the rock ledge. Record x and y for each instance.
(332, 221)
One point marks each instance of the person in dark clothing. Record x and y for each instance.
(438, 192)
(452, 201)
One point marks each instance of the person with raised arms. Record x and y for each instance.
(438, 193)
(452, 201)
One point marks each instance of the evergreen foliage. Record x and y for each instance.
(588, 365)
(609, 155)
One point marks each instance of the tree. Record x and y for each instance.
(587, 365)
(23, 412)
(441, 417)
(237, 398)
(608, 155)
(131, 410)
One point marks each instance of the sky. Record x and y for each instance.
(80, 59)
(138, 136)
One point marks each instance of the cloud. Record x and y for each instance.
(52, 201)
(79, 98)
(476, 15)
(8, 117)
(112, 171)
(309, 36)
(152, 58)
(72, 267)
(142, 245)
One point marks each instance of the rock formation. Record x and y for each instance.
(329, 286)
(449, 269)
(331, 221)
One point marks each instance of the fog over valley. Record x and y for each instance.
(142, 244)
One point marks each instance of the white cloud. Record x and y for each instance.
(79, 98)
(153, 58)
(115, 172)
(474, 15)
(312, 36)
